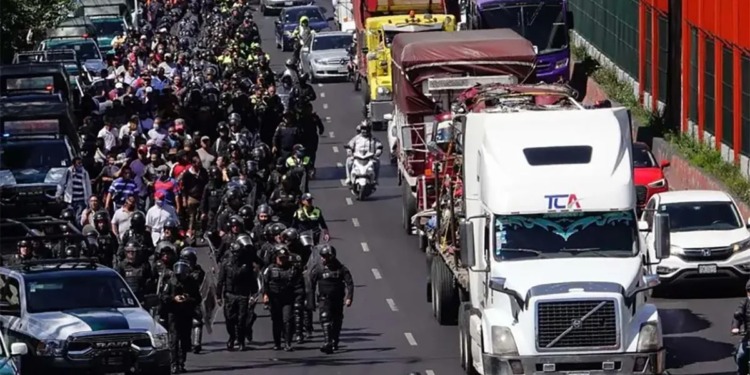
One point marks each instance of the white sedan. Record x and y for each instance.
(709, 238)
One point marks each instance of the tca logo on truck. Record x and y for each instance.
(562, 201)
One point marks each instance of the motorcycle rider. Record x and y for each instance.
(309, 217)
(362, 144)
(235, 286)
(135, 270)
(335, 287)
(179, 301)
(281, 285)
(190, 255)
(302, 35)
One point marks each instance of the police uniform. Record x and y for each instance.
(237, 282)
(211, 202)
(334, 284)
(137, 274)
(310, 220)
(180, 314)
(282, 284)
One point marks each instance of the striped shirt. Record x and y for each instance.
(121, 189)
(77, 188)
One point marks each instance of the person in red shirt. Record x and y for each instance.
(168, 187)
(183, 163)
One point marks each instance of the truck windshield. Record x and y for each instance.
(606, 234)
(108, 26)
(81, 291)
(85, 48)
(543, 24)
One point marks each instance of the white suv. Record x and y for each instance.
(709, 238)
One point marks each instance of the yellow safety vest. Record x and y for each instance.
(303, 215)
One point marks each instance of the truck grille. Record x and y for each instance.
(641, 193)
(90, 346)
(589, 324)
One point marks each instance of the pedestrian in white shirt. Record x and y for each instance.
(158, 215)
(109, 134)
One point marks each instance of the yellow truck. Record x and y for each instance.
(383, 21)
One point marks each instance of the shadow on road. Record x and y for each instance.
(384, 197)
(702, 290)
(676, 321)
(686, 350)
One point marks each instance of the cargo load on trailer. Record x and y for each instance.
(429, 72)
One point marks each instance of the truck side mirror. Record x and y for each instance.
(571, 21)
(18, 349)
(664, 164)
(467, 244)
(662, 242)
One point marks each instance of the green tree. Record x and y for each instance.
(17, 17)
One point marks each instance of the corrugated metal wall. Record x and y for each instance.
(715, 58)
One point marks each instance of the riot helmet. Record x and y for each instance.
(236, 224)
(138, 221)
(181, 269)
(246, 213)
(290, 235)
(189, 255)
(68, 214)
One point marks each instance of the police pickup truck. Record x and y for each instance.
(79, 317)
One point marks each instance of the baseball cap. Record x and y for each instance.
(119, 85)
(143, 149)
(159, 195)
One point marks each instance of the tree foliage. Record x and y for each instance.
(17, 17)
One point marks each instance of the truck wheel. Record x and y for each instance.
(422, 242)
(445, 294)
(430, 258)
(408, 210)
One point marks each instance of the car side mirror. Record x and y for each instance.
(643, 226)
(18, 349)
(664, 164)
(662, 242)
(8, 309)
(468, 259)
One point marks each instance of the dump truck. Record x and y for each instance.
(430, 70)
(533, 246)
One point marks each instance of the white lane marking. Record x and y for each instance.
(355, 222)
(325, 105)
(410, 338)
(377, 274)
(328, 119)
(391, 304)
(320, 85)
(339, 165)
(336, 149)
(343, 182)
(365, 247)
(331, 135)
(349, 201)
(429, 372)
(322, 95)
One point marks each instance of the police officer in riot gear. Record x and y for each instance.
(247, 214)
(284, 199)
(24, 253)
(273, 239)
(233, 203)
(105, 239)
(308, 217)
(137, 232)
(179, 301)
(282, 283)
(298, 257)
(235, 287)
(263, 218)
(335, 287)
(236, 228)
(190, 255)
(135, 270)
(211, 200)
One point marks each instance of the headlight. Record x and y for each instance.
(740, 246)
(160, 340)
(649, 337)
(658, 184)
(383, 90)
(503, 342)
(561, 64)
(50, 348)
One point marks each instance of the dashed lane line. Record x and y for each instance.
(429, 372)
(391, 304)
(320, 85)
(325, 105)
(331, 135)
(336, 149)
(355, 222)
(376, 274)
(349, 201)
(365, 247)
(343, 182)
(322, 95)
(410, 338)
(340, 165)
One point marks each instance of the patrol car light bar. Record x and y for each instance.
(463, 83)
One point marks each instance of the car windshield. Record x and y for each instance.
(34, 154)
(85, 48)
(80, 291)
(293, 15)
(108, 26)
(642, 157)
(694, 216)
(331, 42)
(606, 234)
(543, 24)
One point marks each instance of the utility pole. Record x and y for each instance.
(673, 103)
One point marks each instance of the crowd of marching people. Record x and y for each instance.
(197, 141)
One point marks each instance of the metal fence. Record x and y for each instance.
(746, 104)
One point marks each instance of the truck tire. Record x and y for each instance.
(464, 339)
(430, 257)
(408, 209)
(445, 294)
(421, 242)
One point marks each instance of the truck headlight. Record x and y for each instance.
(50, 348)
(383, 91)
(649, 337)
(658, 183)
(503, 342)
(161, 341)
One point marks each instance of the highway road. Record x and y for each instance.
(389, 329)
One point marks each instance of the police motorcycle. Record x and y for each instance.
(363, 175)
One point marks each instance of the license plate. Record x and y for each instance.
(705, 269)
(343, 70)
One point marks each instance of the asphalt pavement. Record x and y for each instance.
(390, 329)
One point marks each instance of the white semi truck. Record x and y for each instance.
(534, 247)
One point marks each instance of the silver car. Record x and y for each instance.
(269, 7)
(328, 55)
